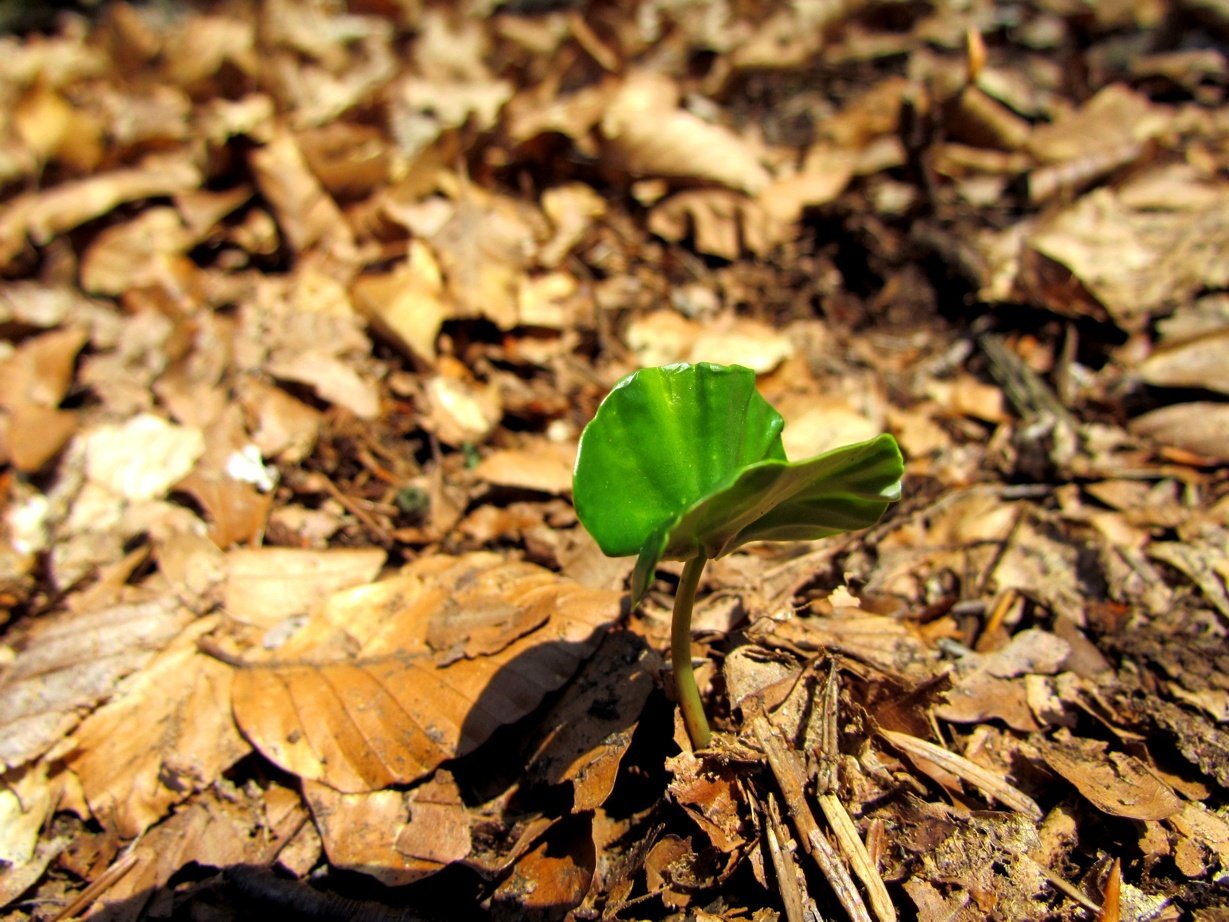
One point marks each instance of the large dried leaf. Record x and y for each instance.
(361, 699)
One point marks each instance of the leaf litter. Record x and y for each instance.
(303, 309)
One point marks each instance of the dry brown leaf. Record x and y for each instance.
(462, 411)
(388, 713)
(333, 378)
(266, 585)
(1134, 253)
(44, 215)
(360, 831)
(484, 247)
(72, 661)
(555, 874)
(228, 828)
(546, 469)
(719, 223)
(1113, 117)
(439, 827)
(409, 304)
(285, 428)
(137, 253)
(51, 127)
(33, 435)
(167, 453)
(1202, 362)
(591, 726)
(649, 135)
(27, 800)
(712, 800)
(306, 213)
(1113, 782)
(827, 173)
(169, 734)
(40, 370)
(1201, 427)
(572, 210)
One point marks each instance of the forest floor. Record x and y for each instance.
(303, 308)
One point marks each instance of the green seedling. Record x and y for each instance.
(685, 462)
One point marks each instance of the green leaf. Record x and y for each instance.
(663, 439)
(687, 459)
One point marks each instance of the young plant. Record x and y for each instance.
(685, 462)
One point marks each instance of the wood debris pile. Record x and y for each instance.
(304, 306)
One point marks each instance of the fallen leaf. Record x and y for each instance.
(167, 453)
(649, 135)
(45, 215)
(137, 253)
(718, 222)
(306, 213)
(1201, 427)
(27, 800)
(1201, 362)
(388, 713)
(463, 412)
(169, 734)
(268, 584)
(1113, 782)
(546, 469)
(71, 662)
(360, 830)
(591, 726)
(409, 304)
(554, 875)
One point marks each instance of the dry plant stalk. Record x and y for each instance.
(789, 775)
(991, 785)
(789, 876)
(834, 811)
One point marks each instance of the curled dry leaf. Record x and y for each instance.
(45, 215)
(719, 223)
(306, 213)
(408, 304)
(1202, 362)
(389, 712)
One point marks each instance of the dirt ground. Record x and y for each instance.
(304, 306)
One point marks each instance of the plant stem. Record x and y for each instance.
(680, 654)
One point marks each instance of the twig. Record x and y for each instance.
(789, 877)
(788, 772)
(989, 784)
(106, 880)
(834, 811)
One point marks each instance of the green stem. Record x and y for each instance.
(680, 654)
